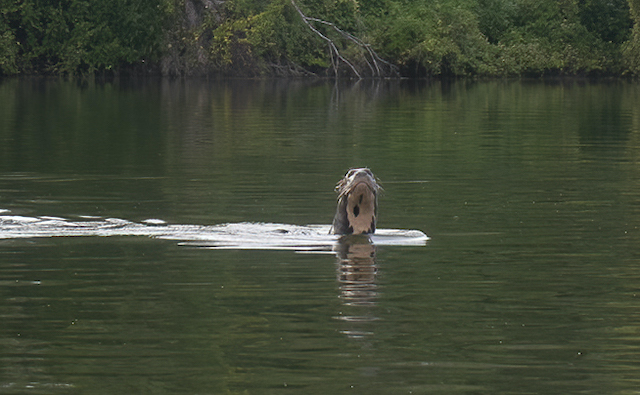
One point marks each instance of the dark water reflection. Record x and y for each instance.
(530, 283)
(357, 270)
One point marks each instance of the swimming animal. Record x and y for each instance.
(357, 209)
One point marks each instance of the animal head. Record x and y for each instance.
(357, 210)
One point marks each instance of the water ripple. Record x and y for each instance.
(244, 235)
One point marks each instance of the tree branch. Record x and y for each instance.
(376, 63)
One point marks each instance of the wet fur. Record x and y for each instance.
(357, 210)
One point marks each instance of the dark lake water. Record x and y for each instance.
(529, 191)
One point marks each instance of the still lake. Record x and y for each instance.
(529, 192)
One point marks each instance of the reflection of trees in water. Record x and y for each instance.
(604, 121)
(356, 274)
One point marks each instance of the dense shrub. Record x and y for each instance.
(77, 36)
(631, 48)
(433, 38)
(264, 41)
(266, 37)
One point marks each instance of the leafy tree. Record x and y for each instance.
(71, 36)
(9, 47)
(631, 49)
(609, 20)
(495, 18)
(431, 37)
(259, 37)
(273, 38)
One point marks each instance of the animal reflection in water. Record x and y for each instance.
(356, 217)
(356, 273)
(356, 270)
(353, 237)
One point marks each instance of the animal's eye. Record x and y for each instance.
(351, 172)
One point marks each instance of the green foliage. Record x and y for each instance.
(9, 45)
(267, 38)
(631, 49)
(547, 37)
(257, 37)
(433, 38)
(72, 36)
(9, 50)
(495, 18)
(536, 37)
(609, 20)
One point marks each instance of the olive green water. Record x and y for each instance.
(529, 191)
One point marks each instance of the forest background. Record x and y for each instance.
(348, 38)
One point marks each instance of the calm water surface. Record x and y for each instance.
(529, 191)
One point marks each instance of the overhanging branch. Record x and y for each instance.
(378, 66)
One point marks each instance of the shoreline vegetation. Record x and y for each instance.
(321, 38)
